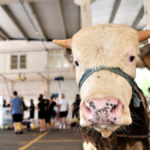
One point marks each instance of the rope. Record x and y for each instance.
(131, 136)
(136, 101)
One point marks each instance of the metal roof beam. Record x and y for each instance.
(6, 2)
(4, 34)
(2, 38)
(61, 18)
(37, 20)
(114, 12)
(6, 78)
(7, 11)
(43, 76)
(138, 18)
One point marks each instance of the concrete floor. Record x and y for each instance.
(51, 140)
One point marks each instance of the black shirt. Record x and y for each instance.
(24, 107)
(32, 107)
(76, 105)
(51, 107)
(41, 107)
(4, 105)
(46, 103)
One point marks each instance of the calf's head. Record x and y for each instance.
(106, 96)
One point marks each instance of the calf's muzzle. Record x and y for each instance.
(102, 112)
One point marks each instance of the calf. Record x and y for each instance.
(105, 58)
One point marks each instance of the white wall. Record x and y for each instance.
(36, 62)
(35, 51)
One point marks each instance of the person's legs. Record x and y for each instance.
(60, 122)
(20, 126)
(64, 121)
(41, 125)
(15, 123)
(77, 115)
(53, 122)
(28, 126)
(47, 120)
(52, 119)
(48, 125)
(15, 126)
(44, 124)
(20, 117)
(73, 114)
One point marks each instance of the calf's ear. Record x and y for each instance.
(68, 55)
(67, 45)
(144, 57)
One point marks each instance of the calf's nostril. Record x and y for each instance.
(114, 107)
(88, 110)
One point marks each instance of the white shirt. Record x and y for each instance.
(64, 104)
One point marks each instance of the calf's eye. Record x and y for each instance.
(132, 58)
(76, 63)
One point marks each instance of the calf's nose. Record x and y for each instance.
(102, 112)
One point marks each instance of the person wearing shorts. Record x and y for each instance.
(63, 111)
(41, 114)
(17, 112)
(52, 113)
(63, 114)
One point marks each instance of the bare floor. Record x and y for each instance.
(50, 140)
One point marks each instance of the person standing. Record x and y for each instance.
(24, 106)
(76, 106)
(17, 112)
(32, 108)
(46, 104)
(41, 114)
(63, 111)
(4, 103)
(52, 113)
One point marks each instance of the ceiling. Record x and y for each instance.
(38, 20)
(50, 19)
(127, 12)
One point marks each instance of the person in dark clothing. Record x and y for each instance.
(41, 114)
(52, 113)
(24, 106)
(4, 103)
(46, 104)
(76, 105)
(32, 108)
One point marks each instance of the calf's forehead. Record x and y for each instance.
(108, 39)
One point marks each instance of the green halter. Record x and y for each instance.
(136, 100)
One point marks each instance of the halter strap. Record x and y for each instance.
(136, 100)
